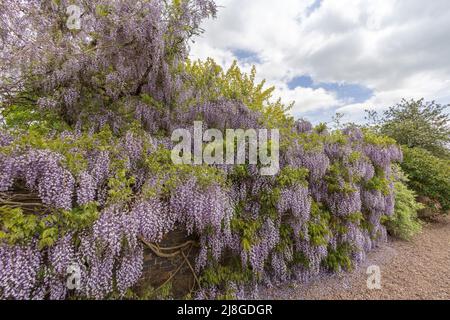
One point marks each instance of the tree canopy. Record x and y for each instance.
(416, 123)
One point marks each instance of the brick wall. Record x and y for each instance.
(157, 269)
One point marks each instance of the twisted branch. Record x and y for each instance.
(158, 251)
(192, 269)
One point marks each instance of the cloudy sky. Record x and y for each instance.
(336, 56)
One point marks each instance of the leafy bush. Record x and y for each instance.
(428, 175)
(404, 223)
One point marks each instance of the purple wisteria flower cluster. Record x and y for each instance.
(247, 219)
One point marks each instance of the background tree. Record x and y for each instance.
(422, 128)
(416, 123)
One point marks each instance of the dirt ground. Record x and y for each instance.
(419, 269)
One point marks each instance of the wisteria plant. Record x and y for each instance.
(86, 175)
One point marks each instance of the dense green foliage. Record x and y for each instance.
(404, 223)
(428, 175)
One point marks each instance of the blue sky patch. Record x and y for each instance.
(301, 81)
(246, 56)
(316, 5)
(353, 93)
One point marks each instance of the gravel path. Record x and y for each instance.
(419, 269)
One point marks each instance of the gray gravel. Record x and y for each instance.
(419, 269)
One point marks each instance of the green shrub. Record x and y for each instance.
(428, 175)
(339, 259)
(404, 223)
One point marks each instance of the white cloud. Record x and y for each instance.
(399, 49)
(306, 99)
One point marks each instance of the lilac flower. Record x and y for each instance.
(130, 269)
(19, 267)
(342, 204)
(303, 126)
(153, 218)
(86, 189)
